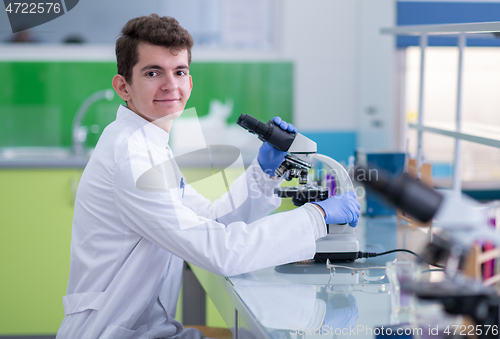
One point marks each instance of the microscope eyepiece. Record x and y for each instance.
(269, 132)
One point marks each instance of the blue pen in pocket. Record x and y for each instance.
(182, 186)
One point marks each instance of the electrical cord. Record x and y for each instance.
(373, 254)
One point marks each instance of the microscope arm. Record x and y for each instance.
(344, 183)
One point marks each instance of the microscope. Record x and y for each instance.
(340, 244)
(463, 222)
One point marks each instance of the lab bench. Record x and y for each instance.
(288, 301)
(37, 210)
(37, 204)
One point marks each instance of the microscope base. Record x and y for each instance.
(338, 247)
(336, 257)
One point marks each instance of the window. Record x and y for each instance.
(480, 110)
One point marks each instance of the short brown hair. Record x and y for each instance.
(161, 31)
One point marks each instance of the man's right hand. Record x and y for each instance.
(341, 209)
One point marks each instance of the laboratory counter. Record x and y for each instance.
(310, 300)
(64, 157)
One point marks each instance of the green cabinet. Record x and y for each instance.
(36, 212)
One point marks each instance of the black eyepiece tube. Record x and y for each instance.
(406, 193)
(253, 125)
(269, 132)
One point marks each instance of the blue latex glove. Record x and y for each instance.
(270, 158)
(341, 209)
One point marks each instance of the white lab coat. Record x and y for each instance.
(128, 244)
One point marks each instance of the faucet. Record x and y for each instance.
(79, 133)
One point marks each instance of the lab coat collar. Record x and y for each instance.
(154, 133)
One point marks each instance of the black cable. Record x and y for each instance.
(373, 254)
(400, 250)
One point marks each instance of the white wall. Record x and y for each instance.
(95, 21)
(376, 61)
(343, 65)
(320, 38)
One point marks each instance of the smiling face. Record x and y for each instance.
(160, 86)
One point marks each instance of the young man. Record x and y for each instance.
(134, 224)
